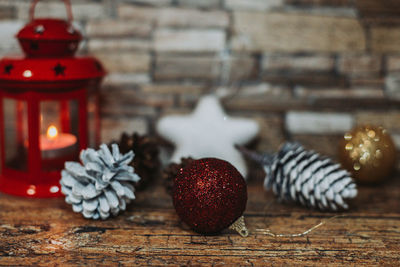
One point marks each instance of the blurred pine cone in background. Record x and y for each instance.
(146, 161)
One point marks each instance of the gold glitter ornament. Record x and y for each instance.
(368, 152)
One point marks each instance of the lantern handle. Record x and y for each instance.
(67, 6)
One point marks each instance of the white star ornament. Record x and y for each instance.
(208, 132)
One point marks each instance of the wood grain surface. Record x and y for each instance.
(47, 232)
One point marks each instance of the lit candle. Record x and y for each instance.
(54, 144)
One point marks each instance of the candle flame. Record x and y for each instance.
(52, 132)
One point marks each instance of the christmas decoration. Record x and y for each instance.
(171, 171)
(146, 162)
(210, 195)
(101, 185)
(369, 153)
(295, 174)
(49, 106)
(208, 132)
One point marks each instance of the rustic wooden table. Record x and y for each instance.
(47, 232)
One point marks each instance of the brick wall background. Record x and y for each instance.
(307, 70)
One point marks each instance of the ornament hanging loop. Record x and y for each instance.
(67, 6)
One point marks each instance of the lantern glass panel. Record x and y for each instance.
(59, 140)
(49, 115)
(15, 134)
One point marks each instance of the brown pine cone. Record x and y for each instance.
(171, 171)
(146, 161)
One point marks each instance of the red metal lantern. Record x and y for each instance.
(48, 107)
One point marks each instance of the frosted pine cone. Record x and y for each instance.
(102, 185)
(302, 176)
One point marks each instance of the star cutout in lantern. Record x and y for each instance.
(34, 45)
(8, 68)
(59, 70)
(208, 132)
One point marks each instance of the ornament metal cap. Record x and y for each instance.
(240, 227)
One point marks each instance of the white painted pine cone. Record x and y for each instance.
(302, 176)
(102, 184)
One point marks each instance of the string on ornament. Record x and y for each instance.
(306, 232)
(225, 86)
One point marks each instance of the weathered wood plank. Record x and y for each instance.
(47, 232)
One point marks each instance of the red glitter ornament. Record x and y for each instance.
(210, 195)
